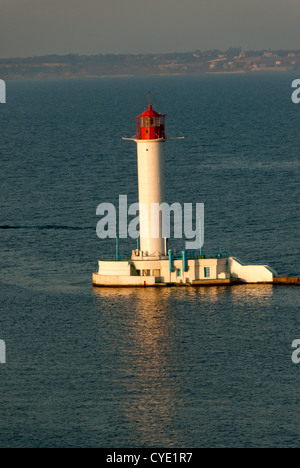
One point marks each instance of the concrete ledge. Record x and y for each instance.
(290, 280)
(213, 282)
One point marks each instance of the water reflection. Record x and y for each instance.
(165, 364)
(149, 372)
(255, 292)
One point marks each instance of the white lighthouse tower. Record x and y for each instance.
(150, 139)
(152, 264)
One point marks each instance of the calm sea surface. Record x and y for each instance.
(175, 367)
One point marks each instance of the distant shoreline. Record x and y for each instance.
(232, 61)
(102, 77)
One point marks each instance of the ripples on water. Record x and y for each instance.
(178, 367)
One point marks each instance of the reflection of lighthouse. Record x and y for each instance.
(150, 138)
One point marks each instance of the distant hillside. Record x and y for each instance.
(211, 61)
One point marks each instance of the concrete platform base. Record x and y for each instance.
(288, 280)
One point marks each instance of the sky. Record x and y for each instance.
(41, 27)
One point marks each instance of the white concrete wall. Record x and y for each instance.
(117, 280)
(218, 269)
(114, 268)
(122, 273)
(250, 273)
(210, 263)
(223, 269)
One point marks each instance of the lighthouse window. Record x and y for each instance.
(178, 272)
(150, 121)
(206, 272)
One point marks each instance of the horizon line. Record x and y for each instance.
(77, 54)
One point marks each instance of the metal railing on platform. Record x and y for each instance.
(177, 255)
(115, 258)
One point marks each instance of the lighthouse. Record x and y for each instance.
(152, 264)
(150, 139)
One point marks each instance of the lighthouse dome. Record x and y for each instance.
(150, 112)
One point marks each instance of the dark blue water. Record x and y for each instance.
(147, 368)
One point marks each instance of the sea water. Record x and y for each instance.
(174, 367)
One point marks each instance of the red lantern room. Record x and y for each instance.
(150, 125)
